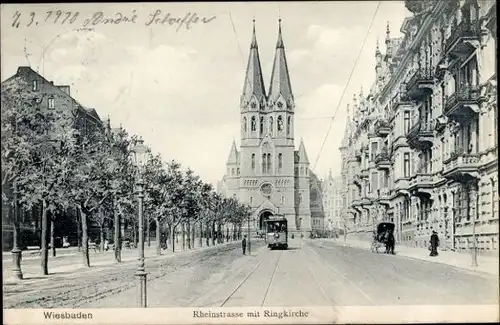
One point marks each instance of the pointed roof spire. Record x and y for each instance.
(254, 45)
(254, 81)
(302, 153)
(377, 50)
(387, 34)
(330, 177)
(233, 154)
(280, 78)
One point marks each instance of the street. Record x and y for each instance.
(309, 273)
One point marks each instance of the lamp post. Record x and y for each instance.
(16, 252)
(249, 238)
(140, 156)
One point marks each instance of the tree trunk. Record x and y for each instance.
(148, 230)
(85, 239)
(122, 232)
(193, 234)
(78, 231)
(234, 232)
(134, 235)
(52, 235)
(117, 239)
(201, 234)
(44, 258)
(227, 232)
(183, 230)
(173, 238)
(213, 234)
(207, 233)
(158, 239)
(101, 237)
(188, 230)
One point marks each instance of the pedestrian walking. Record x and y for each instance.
(244, 244)
(434, 243)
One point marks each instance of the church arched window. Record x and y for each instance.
(301, 170)
(269, 166)
(280, 161)
(237, 171)
(271, 124)
(264, 164)
(253, 161)
(288, 125)
(244, 124)
(300, 198)
(261, 124)
(280, 123)
(232, 172)
(254, 125)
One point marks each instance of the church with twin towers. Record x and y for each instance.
(267, 172)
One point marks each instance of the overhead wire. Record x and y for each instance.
(347, 84)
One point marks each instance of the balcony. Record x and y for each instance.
(421, 181)
(401, 185)
(464, 40)
(420, 135)
(463, 104)
(384, 196)
(383, 159)
(382, 127)
(461, 167)
(418, 6)
(420, 84)
(440, 124)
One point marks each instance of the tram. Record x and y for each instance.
(277, 232)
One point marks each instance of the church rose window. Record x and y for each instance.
(266, 189)
(253, 105)
(280, 104)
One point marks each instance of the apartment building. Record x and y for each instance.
(420, 149)
(333, 190)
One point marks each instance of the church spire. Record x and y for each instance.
(303, 159)
(233, 154)
(254, 82)
(280, 79)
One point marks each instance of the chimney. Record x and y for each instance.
(65, 89)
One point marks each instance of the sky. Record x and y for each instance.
(179, 86)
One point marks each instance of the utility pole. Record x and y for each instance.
(249, 238)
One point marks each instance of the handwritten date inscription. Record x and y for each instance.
(158, 17)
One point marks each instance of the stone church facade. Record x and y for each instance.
(266, 172)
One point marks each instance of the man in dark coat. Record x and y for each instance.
(434, 243)
(244, 244)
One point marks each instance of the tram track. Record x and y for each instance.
(249, 276)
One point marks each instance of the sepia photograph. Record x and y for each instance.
(250, 162)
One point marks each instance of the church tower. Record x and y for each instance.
(270, 175)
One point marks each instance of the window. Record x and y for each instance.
(280, 123)
(406, 122)
(253, 161)
(251, 199)
(237, 171)
(232, 172)
(35, 85)
(264, 165)
(244, 124)
(494, 200)
(261, 125)
(253, 126)
(52, 103)
(269, 166)
(280, 161)
(406, 164)
(288, 125)
(282, 200)
(271, 124)
(374, 150)
(300, 198)
(374, 182)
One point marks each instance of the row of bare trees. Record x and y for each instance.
(59, 162)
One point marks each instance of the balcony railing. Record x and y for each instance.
(420, 134)
(421, 180)
(465, 30)
(461, 160)
(464, 101)
(383, 158)
(421, 83)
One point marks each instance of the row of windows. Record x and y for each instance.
(270, 125)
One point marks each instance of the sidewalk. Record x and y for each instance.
(486, 264)
(72, 264)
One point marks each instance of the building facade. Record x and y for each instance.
(420, 149)
(266, 172)
(333, 202)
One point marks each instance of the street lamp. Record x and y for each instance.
(139, 159)
(16, 252)
(249, 238)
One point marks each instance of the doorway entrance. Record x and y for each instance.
(264, 215)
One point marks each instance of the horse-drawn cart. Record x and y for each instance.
(383, 236)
